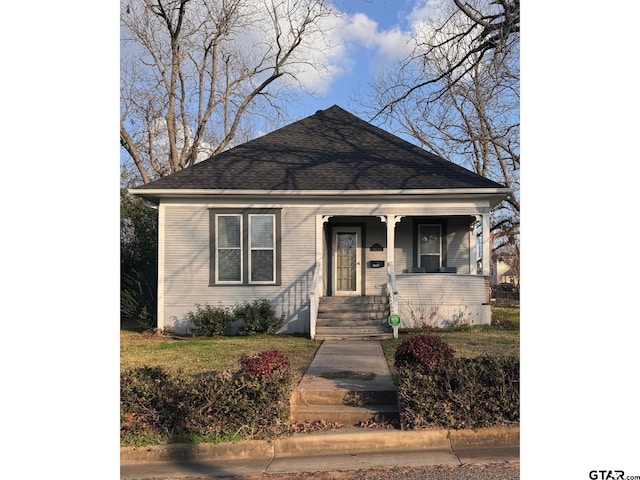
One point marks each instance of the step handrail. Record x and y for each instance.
(392, 290)
(314, 300)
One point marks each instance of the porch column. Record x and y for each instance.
(320, 221)
(473, 247)
(391, 221)
(486, 244)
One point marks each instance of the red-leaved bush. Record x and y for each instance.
(426, 350)
(263, 364)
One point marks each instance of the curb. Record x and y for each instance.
(327, 443)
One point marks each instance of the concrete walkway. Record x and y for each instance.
(339, 356)
(344, 367)
(348, 382)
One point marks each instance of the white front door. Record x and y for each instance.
(347, 271)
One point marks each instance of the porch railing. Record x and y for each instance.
(314, 300)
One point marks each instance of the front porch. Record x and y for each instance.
(428, 266)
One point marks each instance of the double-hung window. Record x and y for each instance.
(430, 247)
(245, 247)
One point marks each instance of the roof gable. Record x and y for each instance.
(331, 150)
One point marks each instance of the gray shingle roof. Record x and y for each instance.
(330, 150)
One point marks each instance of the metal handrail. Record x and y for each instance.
(392, 290)
(314, 300)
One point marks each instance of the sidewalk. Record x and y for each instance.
(347, 449)
(338, 367)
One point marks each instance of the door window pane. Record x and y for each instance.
(346, 261)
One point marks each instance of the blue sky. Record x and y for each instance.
(373, 34)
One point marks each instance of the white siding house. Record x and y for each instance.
(326, 206)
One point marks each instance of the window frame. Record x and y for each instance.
(245, 242)
(251, 249)
(217, 249)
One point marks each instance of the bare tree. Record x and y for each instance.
(458, 95)
(474, 31)
(193, 70)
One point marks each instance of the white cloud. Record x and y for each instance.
(424, 9)
(356, 39)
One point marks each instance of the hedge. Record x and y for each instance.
(460, 393)
(158, 407)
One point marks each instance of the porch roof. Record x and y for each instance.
(332, 150)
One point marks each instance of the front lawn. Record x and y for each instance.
(194, 355)
(474, 341)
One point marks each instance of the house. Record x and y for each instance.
(504, 269)
(326, 217)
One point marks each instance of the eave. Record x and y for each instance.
(495, 195)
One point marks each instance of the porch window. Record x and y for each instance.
(430, 247)
(245, 247)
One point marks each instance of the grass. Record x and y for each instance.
(473, 341)
(193, 355)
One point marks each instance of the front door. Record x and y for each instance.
(347, 273)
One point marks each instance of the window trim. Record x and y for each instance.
(245, 255)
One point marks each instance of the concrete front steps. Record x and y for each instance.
(347, 383)
(353, 318)
(343, 406)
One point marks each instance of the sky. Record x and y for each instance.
(61, 222)
(375, 34)
(372, 35)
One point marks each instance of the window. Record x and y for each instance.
(430, 247)
(245, 247)
(262, 248)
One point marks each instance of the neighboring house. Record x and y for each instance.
(503, 269)
(328, 206)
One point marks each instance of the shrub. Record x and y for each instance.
(210, 320)
(151, 404)
(258, 316)
(157, 407)
(425, 350)
(461, 393)
(263, 364)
